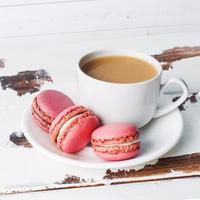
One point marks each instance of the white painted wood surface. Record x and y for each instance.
(53, 34)
(20, 18)
(23, 167)
(171, 189)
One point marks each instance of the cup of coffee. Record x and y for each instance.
(124, 86)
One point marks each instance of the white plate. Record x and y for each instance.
(157, 138)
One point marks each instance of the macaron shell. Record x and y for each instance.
(36, 109)
(118, 130)
(117, 148)
(62, 118)
(53, 102)
(79, 136)
(42, 123)
(116, 141)
(117, 157)
(47, 105)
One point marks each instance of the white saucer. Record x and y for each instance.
(157, 138)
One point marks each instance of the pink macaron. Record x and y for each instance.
(47, 105)
(116, 141)
(72, 128)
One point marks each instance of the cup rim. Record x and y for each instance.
(123, 52)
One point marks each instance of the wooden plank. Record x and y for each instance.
(177, 167)
(181, 162)
(31, 81)
(90, 16)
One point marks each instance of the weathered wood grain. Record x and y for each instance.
(71, 179)
(185, 164)
(19, 139)
(54, 187)
(26, 81)
(176, 167)
(168, 56)
(2, 63)
(193, 98)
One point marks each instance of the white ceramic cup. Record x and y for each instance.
(125, 102)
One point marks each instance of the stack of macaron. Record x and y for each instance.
(71, 127)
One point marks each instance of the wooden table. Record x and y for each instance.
(26, 69)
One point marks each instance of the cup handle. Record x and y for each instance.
(174, 105)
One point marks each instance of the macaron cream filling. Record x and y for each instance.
(73, 121)
(68, 122)
(62, 118)
(121, 144)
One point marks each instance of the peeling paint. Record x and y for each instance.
(2, 63)
(19, 139)
(69, 179)
(26, 81)
(168, 56)
(193, 98)
(185, 163)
